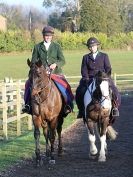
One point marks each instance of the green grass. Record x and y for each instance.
(23, 147)
(15, 65)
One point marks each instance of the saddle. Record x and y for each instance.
(64, 89)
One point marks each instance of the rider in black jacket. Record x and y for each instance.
(92, 63)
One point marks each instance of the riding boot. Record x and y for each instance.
(80, 113)
(26, 109)
(67, 109)
(80, 100)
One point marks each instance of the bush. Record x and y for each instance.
(24, 40)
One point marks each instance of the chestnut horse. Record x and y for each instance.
(98, 105)
(47, 109)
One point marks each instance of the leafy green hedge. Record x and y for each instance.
(22, 40)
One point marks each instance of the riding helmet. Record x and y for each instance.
(48, 31)
(92, 41)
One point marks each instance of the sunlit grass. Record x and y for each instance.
(15, 65)
(23, 147)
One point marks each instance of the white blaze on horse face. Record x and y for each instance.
(106, 101)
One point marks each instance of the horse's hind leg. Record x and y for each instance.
(51, 137)
(59, 130)
(92, 139)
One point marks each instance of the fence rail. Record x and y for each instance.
(11, 99)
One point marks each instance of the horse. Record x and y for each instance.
(47, 110)
(98, 105)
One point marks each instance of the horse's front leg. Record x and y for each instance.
(36, 121)
(45, 133)
(92, 139)
(103, 148)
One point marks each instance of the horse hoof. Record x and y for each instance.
(101, 159)
(92, 156)
(39, 163)
(60, 152)
(51, 161)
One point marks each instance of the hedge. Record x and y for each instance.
(24, 40)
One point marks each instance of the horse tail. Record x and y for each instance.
(111, 133)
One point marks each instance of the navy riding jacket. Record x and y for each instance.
(91, 66)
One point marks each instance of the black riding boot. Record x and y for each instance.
(79, 99)
(26, 109)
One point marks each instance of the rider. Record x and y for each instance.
(92, 63)
(51, 55)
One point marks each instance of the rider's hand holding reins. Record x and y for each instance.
(53, 66)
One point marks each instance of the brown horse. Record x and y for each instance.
(47, 109)
(98, 105)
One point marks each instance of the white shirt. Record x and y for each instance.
(95, 54)
(47, 44)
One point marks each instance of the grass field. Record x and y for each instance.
(23, 147)
(15, 66)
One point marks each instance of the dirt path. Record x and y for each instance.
(75, 161)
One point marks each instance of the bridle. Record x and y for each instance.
(36, 92)
(96, 101)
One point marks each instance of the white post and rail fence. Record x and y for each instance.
(11, 100)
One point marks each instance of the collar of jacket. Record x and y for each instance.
(91, 55)
(43, 47)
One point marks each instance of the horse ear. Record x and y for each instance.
(28, 62)
(39, 63)
(109, 73)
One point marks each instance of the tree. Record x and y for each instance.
(100, 16)
(93, 16)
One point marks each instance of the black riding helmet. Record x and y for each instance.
(48, 31)
(92, 41)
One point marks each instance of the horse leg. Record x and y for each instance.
(37, 123)
(51, 135)
(103, 148)
(92, 139)
(45, 133)
(59, 130)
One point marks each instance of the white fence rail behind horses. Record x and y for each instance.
(12, 93)
(11, 101)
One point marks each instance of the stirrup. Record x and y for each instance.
(115, 112)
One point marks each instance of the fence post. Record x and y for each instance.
(29, 122)
(115, 78)
(11, 94)
(4, 102)
(18, 107)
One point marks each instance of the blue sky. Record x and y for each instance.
(27, 3)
